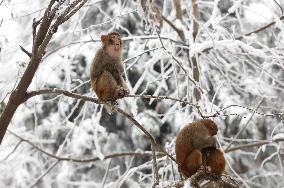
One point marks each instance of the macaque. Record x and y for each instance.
(190, 147)
(106, 69)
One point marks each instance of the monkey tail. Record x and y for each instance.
(110, 107)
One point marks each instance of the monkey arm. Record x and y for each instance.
(116, 72)
(98, 66)
(204, 142)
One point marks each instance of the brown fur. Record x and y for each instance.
(192, 163)
(214, 158)
(106, 69)
(190, 141)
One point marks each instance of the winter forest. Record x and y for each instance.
(183, 60)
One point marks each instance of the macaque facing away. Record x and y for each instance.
(196, 147)
(106, 69)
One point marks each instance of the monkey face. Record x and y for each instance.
(112, 44)
(115, 41)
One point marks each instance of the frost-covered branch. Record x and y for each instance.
(41, 39)
(194, 57)
(77, 160)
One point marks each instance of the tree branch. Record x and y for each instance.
(259, 29)
(26, 52)
(179, 31)
(40, 41)
(76, 160)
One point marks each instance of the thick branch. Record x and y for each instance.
(44, 26)
(91, 99)
(19, 95)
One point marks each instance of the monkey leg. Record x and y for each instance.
(214, 158)
(123, 91)
(106, 87)
(192, 163)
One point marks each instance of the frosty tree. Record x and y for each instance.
(183, 60)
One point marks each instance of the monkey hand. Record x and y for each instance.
(205, 169)
(122, 92)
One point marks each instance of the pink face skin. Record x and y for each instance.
(114, 47)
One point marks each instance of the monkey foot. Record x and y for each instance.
(122, 92)
(205, 169)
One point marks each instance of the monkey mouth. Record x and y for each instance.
(117, 46)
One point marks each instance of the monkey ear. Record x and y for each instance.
(104, 38)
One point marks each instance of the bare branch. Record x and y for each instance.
(73, 11)
(41, 39)
(35, 24)
(179, 31)
(244, 146)
(15, 148)
(193, 59)
(45, 173)
(279, 7)
(70, 159)
(178, 9)
(151, 138)
(67, 13)
(25, 51)
(44, 26)
(244, 127)
(259, 29)
(92, 99)
(221, 181)
(62, 92)
(155, 166)
(252, 110)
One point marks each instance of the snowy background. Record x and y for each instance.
(241, 78)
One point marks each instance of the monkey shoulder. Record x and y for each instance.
(194, 134)
(185, 135)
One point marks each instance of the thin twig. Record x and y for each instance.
(244, 146)
(151, 138)
(249, 33)
(179, 64)
(279, 7)
(155, 167)
(26, 52)
(44, 174)
(259, 29)
(15, 148)
(106, 174)
(62, 92)
(235, 105)
(179, 31)
(114, 155)
(167, 98)
(244, 127)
